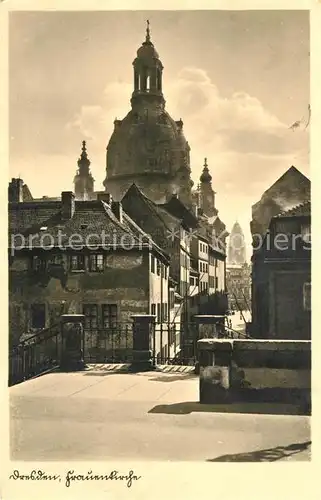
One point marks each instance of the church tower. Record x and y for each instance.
(236, 246)
(148, 147)
(83, 181)
(206, 192)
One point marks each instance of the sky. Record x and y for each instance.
(237, 79)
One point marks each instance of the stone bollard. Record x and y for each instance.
(143, 335)
(215, 364)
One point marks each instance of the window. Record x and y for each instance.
(109, 315)
(216, 282)
(55, 260)
(91, 315)
(158, 319)
(191, 281)
(96, 262)
(38, 316)
(171, 299)
(77, 263)
(307, 296)
(153, 309)
(152, 264)
(165, 272)
(165, 311)
(38, 263)
(158, 267)
(306, 233)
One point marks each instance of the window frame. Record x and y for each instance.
(112, 315)
(88, 317)
(94, 267)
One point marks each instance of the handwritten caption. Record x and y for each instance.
(73, 477)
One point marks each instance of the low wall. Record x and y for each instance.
(269, 371)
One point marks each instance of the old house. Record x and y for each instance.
(279, 274)
(281, 277)
(170, 228)
(85, 257)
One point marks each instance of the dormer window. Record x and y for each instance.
(38, 263)
(96, 262)
(77, 263)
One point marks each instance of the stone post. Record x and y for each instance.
(215, 359)
(143, 340)
(72, 340)
(207, 327)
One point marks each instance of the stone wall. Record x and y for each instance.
(251, 371)
(124, 282)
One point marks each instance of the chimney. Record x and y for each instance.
(67, 204)
(106, 197)
(15, 191)
(117, 210)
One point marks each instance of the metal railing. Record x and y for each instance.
(35, 355)
(113, 344)
(171, 343)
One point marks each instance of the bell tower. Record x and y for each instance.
(83, 181)
(148, 74)
(207, 194)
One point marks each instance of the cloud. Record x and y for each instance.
(246, 145)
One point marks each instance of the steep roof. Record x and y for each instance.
(301, 210)
(92, 224)
(290, 173)
(175, 207)
(160, 214)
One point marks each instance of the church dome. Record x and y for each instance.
(147, 51)
(147, 141)
(147, 146)
(206, 176)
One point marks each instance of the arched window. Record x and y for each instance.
(148, 83)
(159, 79)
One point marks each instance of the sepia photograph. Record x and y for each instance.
(159, 237)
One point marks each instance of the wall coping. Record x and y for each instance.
(254, 344)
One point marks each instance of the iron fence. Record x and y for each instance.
(109, 345)
(174, 344)
(35, 355)
(170, 343)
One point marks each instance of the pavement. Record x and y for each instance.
(105, 413)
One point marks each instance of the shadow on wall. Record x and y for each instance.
(268, 455)
(250, 408)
